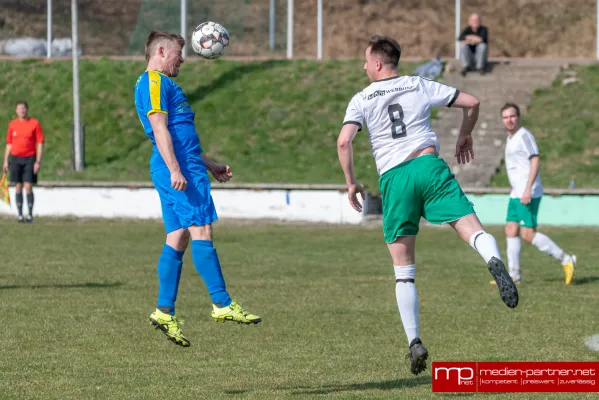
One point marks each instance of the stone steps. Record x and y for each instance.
(503, 83)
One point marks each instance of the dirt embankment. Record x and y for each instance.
(425, 28)
(517, 28)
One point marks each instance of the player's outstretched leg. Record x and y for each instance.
(504, 282)
(417, 355)
(486, 245)
(548, 246)
(224, 308)
(234, 312)
(514, 246)
(470, 229)
(170, 264)
(169, 325)
(569, 268)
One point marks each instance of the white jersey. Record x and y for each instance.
(397, 113)
(519, 149)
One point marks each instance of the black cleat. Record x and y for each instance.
(504, 282)
(418, 355)
(20, 219)
(29, 219)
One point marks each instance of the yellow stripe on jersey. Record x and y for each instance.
(155, 81)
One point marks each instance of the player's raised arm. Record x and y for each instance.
(164, 142)
(346, 158)
(470, 104)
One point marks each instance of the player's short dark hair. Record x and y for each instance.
(157, 36)
(23, 102)
(510, 105)
(387, 48)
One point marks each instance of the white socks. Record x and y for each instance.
(548, 246)
(485, 244)
(513, 256)
(407, 299)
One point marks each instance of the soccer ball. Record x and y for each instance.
(209, 40)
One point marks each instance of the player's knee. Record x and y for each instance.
(178, 239)
(203, 232)
(527, 234)
(184, 240)
(511, 230)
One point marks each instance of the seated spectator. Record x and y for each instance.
(473, 46)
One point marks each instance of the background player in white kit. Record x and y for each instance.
(522, 162)
(414, 181)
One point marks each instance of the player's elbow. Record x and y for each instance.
(474, 103)
(343, 142)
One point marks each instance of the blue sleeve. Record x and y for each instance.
(154, 93)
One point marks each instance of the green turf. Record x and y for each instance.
(75, 297)
(272, 121)
(565, 123)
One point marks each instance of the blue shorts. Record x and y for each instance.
(181, 209)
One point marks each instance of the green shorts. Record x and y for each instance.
(523, 214)
(420, 187)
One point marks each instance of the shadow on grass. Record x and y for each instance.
(229, 78)
(87, 285)
(376, 385)
(462, 395)
(577, 281)
(234, 392)
(355, 387)
(585, 280)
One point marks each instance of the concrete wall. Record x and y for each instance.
(305, 203)
(295, 205)
(567, 210)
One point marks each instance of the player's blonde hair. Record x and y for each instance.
(157, 38)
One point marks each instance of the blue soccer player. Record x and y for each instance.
(178, 167)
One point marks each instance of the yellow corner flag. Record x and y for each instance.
(4, 194)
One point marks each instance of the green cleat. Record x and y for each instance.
(169, 325)
(234, 312)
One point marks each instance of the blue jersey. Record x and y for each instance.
(157, 93)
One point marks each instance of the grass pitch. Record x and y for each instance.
(75, 297)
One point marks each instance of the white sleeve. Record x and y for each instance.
(529, 145)
(354, 114)
(438, 93)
